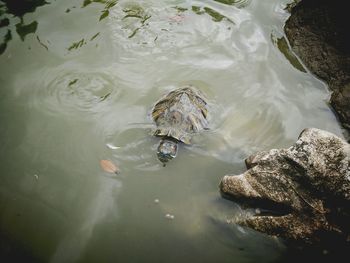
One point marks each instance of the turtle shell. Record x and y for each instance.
(180, 114)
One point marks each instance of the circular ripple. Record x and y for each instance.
(73, 91)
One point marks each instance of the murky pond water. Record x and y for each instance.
(78, 81)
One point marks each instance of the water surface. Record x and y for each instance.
(78, 81)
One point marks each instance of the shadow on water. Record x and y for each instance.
(283, 46)
(337, 251)
(18, 8)
(60, 118)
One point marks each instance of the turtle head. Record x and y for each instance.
(167, 150)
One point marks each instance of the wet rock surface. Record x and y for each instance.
(318, 31)
(303, 191)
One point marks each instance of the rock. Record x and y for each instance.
(318, 31)
(303, 192)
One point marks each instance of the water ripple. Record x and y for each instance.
(70, 91)
(236, 3)
(165, 28)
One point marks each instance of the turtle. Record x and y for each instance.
(178, 116)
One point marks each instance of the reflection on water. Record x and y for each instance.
(283, 46)
(70, 91)
(79, 80)
(237, 3)
(18, 8)
(72, 246)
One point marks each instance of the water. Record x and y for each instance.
(78, 81)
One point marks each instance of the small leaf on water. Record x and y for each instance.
(108, 166)
(104, 14)
(102, 98)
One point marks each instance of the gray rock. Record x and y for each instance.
(304, 191)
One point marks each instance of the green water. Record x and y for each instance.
(78, 81)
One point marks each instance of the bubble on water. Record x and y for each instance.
(169, 216)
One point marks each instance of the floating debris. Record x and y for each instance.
(216, 16)
(156, 201)
(36, 176)
(135, 11)
(72, 82)
(111, 146)
(134, 32)
(41, 43)
(105, 11)
(236, 3)
(197, 10)
(180, 9)
(77, 44)
(109, 167)
(104, 97)
(94, 36)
